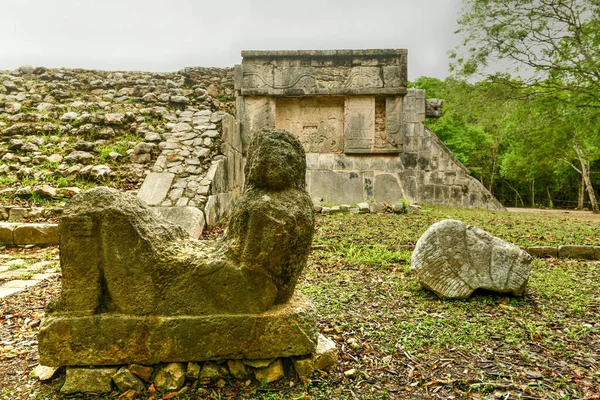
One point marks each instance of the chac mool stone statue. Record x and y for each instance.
(453, 259)
(121, 261)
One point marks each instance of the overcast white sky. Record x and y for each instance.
(167, 35)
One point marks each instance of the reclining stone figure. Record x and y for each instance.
(137, 288)
(117, 255)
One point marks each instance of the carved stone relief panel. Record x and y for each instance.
(373, 125)
(359, 118)
(393, 123)
(317, 121)
(309, 73)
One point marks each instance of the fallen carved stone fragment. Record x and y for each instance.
(453, 259)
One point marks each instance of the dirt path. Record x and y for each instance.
(583, 215)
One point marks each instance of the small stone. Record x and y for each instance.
(237, 369)
(363, 208)
(69, 116)
(152, 137)
(106, 133)
(79, 157)
(181, 127)
(44, 373)
(344, 208)
(351, 373)
(397, 208)
(377, 208)
(326, 355)
(543, 251)
(143, 148)
(141, 371)
(84, 146)
(17, 214)
(45, 191)
(211, 134)
(150, 98)
(114, 118)
(55, 158)
(86, 380)
(12, 108)
(317, 208)
(259, 363)
(581, 252)
(414, 209)
(100, 172)
(68, 191)
(29, 147)
(170, 376)
(212, 371)
(15, 144)
(271, 373)
(140, 158)
(126, 380)
(193, 372)
(179, 99)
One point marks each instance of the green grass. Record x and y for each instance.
(393, 230)
(409, 344)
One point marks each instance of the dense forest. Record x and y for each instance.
(522, 104)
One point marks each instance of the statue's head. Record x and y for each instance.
(276, 161)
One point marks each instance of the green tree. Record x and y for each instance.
(549, 51)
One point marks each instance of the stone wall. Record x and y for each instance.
(200, 166)
(218, 82)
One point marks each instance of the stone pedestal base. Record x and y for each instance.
(112, 339)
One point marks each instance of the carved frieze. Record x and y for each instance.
(317, 122)
(337, 72)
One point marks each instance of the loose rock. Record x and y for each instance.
(453, 259)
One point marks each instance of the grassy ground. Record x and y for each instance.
(397, 340)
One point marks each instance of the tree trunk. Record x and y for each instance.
(581, 194)
(585, 173)
(533, 193)
(492, 175)
(517, 195)
(550, 202)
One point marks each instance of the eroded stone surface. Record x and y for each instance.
(453, 259)
(86, 380)
(270, 373)
(126, 380)
(170, 376)
(283, 331)
(325, 357)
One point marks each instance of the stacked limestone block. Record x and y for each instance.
(68, 129)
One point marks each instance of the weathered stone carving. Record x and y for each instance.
(317, 122)
(318, 72)
(138, 289)
(356, 120)
(453, 259)
(433, 108)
